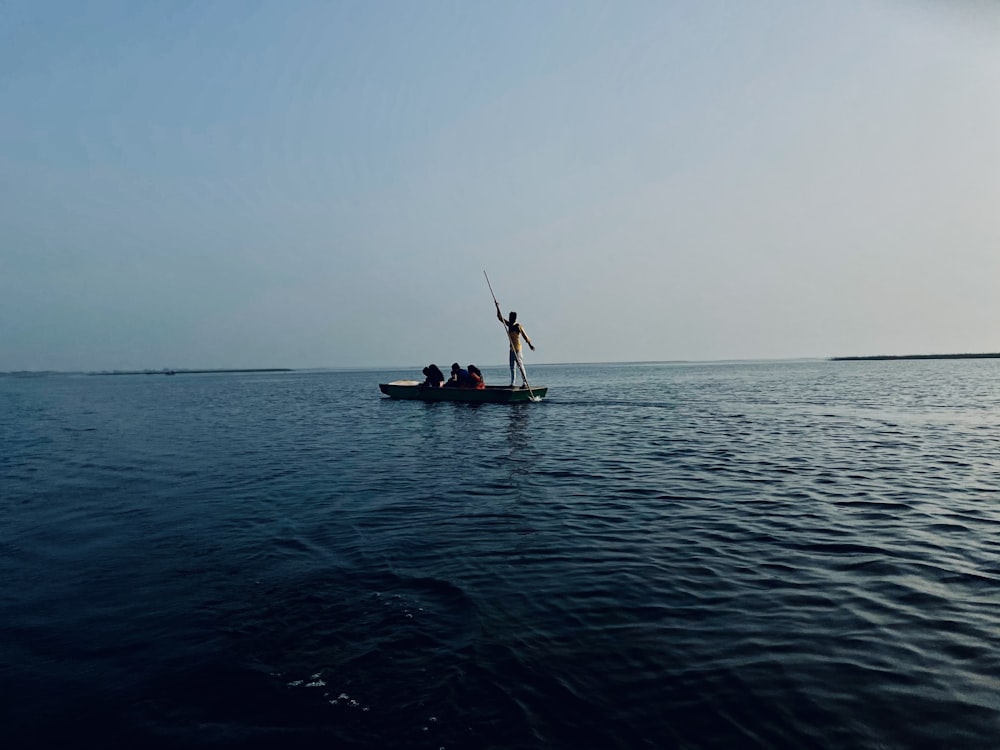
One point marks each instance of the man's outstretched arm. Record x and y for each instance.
(525, 335)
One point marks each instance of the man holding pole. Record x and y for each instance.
(514, 333)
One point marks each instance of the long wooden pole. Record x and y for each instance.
(517, 356)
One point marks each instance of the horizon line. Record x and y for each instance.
(372, 368)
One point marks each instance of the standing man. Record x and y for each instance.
(514, 332)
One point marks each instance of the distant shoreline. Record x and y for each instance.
(190, 372)
(236, 371)
(989, 355)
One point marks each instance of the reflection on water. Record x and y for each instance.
(517, 423)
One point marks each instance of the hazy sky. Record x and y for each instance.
(313, 184)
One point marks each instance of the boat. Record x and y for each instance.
(491, 394)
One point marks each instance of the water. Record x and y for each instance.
(771, 555)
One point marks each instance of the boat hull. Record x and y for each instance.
(491, 394)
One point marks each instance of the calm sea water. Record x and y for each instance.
(774, 555)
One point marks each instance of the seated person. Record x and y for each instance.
(476, 377)
(433, 377)
(459, 377)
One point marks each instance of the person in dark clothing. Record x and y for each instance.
(459, 377)
(433, 377)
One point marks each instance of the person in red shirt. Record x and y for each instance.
(475, 377)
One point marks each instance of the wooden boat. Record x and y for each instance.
(491, 394)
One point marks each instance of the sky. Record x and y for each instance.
(322, 184)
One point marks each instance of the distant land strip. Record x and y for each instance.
(188, 372)
(988, 355)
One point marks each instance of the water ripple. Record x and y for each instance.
(755, 555)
